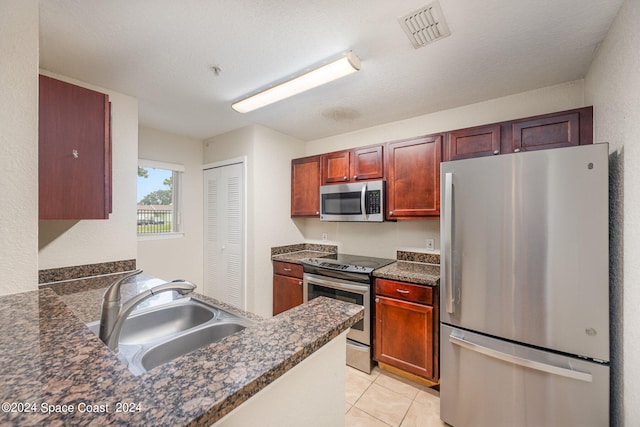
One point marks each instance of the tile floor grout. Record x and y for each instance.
(383, 399)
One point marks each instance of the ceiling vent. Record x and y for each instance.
(425, 25)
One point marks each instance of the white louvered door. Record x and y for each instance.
(224, 234)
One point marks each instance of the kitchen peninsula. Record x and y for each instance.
(55, 371)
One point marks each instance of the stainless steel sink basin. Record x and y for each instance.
(186, 343)
(157, 335)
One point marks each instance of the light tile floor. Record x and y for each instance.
(383, 399)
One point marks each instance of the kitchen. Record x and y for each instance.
(609, 83)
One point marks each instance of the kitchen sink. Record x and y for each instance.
(157, 335)
(185, 343)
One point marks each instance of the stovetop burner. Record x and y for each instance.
(349, 263)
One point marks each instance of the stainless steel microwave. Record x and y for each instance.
(354, 202)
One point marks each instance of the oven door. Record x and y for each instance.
(343, 290)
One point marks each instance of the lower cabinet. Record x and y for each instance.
(287, 286)
(406, 327)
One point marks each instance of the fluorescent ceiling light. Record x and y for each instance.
(346, 65)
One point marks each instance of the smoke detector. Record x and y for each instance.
(425, 25)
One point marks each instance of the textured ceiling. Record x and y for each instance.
(162, 52)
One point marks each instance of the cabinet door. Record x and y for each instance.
(336, 167)
(367, 163)
(287, 293)
(413, 185)
(74, 152)
(404, 336)
(473, 142)
(305, 186)
(556, 131)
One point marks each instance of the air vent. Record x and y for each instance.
(425, 25)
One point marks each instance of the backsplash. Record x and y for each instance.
(279, 250)
(427, 258)
(82, 271)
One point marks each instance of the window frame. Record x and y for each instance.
(176, 199)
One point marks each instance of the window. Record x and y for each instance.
(159, 211)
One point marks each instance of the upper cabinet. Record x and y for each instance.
(411, 167)
(413, 178)
(74, 157)
(305, 186)
(473, 142)
(555, 130)
(358, 164)
(552, 131)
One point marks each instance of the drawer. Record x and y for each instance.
(405, 291)
(288, 269)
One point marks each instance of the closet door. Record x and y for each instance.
(224, 234)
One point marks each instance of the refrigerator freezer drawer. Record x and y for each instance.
(489, 382)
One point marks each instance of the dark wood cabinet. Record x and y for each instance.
(406, 327)
(552, 131)
(413, 178)
(287, 286)
(74, 152)
(358, 164)
(473, 142)
(547, 131)
(305, 187)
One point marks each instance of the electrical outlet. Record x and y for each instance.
(324, 237)
(431, 244)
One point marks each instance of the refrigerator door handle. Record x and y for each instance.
(447, 242)
(517, 360)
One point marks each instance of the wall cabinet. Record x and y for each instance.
(473, 142)
(359, 164)
(305, 187)
(413, 178)
(411, 167)
(287, 286)
(406, 327)
(555, 130)
(74, 152)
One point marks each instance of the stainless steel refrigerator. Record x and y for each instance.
(524, 306)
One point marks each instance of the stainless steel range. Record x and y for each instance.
(347, 278)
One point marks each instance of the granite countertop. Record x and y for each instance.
(54, 370)
(410, 271)
(297, 253)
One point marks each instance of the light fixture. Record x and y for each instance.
(347, 64)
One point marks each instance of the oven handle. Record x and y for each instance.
(337, 284)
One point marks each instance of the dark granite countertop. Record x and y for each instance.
(299, 252)
(409, 271)
(51, 363)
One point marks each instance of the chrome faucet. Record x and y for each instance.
(114, 313)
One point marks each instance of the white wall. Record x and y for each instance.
(70, 243)
(384, 239)
(176, 258)
(19, 142)
(612, 85)
(269, 155)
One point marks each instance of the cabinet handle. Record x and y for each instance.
(355, 176)
(75, 154)
(300, 283)
(390, 212)
(377, 299)
(517, 150)
(317, 213)
(403, 291)
(344, 178)
(496, 152)
(286, 269)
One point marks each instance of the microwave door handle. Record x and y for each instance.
(363, 205)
